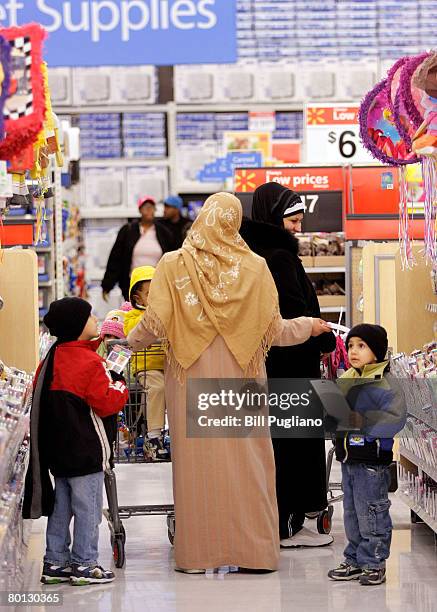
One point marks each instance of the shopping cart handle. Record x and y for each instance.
(120, 342)
(112, 343)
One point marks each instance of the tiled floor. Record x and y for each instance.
(149, 583)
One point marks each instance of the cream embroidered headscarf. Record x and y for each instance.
(214, 285)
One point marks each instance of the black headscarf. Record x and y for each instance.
(270, 201)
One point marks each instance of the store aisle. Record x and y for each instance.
(149, 583)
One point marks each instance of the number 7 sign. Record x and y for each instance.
(310, 202)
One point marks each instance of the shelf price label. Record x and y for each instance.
(332, 135)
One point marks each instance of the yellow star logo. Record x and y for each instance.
(315, 116)
(244, 181)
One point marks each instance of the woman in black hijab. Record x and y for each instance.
(277, 214)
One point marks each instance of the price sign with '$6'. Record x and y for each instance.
(332, 134)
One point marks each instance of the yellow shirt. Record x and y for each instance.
(154, 354)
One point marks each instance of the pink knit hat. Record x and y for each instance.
(113, 325)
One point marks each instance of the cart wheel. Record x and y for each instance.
(118, 552)
(324, 520)
(123, 533)
(170, 537)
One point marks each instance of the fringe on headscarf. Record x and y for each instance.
(154, 324)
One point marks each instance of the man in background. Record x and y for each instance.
(173, 219)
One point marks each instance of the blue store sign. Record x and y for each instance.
(129, 32)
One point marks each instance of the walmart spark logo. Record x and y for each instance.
(244, 181)
(315, 116)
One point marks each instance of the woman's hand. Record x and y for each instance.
(320, 327)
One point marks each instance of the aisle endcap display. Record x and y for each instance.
(19, 318)
(385, 287)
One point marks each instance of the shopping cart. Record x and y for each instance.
(128, 448)
(334, 489)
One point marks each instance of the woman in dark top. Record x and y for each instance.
(139, 243)
(277, 215)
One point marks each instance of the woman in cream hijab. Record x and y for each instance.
(214, 305)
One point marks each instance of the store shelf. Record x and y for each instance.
(238, 107)
(327, 309)
(328, 301)
(428, 469)
(328, 261)
(18, 218)
(42, 249)
(126, 162)
(423, 415)
(45, 285)
(111, 108)
(325, 270)
(99, 213)
(426, 518)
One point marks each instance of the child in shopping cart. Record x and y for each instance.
(378, 405)
(150, 371)
(74, 398)
(112, 329)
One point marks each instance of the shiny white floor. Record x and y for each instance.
(149, 582)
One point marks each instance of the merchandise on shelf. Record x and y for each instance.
(73, 250)
(417, 374)
(129, 135)
(117, 85)
(322, 244)
(15, 394)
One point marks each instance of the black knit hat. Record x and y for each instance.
(67, 318)
(374, 336)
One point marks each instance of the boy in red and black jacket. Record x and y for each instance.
(74, 399)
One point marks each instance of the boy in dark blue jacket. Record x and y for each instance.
(380, 410)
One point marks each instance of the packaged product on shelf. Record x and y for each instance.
(145, 180)
(92, 86)
(237, 82)
(328, 244)
(355, 79)
(115, 85)
(99, 237)
(317, 81)
(134, 85)
(103, 188)
(15, 393)
(195, 83)
(192, 159)
(305, 245)
(61, 86)
(329, 287)
(277, 81)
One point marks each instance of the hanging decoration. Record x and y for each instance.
(398, 125)
(24, 110)
(5, 79)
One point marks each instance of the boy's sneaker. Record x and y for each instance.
(154, 450)
(55, 574)
(83, 575)
(345, 571)
(371, 577)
